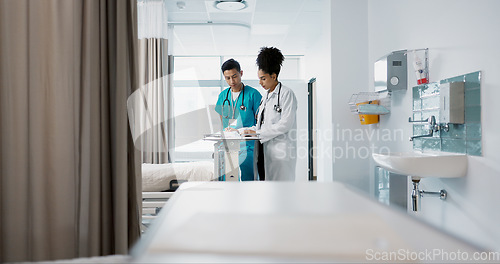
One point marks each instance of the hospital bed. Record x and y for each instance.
(315, 222)
(159, 182)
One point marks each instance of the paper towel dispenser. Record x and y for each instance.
(391, 72)
(452, 103)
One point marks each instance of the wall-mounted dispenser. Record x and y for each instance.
(390, 72)
(369, 105)
(452, 103)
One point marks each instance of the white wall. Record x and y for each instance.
(300, 89)
(462, 37)
(351, 158)
(318, 65)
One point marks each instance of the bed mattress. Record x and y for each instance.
(158, 177)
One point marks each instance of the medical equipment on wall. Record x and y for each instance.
(390, 72)
(226, 154)
(242, 106)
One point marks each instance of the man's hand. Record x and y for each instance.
(230, 129)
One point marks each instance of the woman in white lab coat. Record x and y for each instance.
(275, 154)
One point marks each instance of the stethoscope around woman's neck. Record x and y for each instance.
(277, 107)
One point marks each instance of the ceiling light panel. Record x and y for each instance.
(249, 7)
(230, 5)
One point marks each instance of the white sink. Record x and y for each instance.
(424, 164)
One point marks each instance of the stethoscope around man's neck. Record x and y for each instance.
(242, 107)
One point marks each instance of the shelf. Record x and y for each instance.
(372, 109)
(370, 103)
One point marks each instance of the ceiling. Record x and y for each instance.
(201, 29)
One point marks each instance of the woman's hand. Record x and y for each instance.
(248, 132)
(230, 129)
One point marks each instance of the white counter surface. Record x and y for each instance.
(285, 222)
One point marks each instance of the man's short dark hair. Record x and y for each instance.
(230, 64)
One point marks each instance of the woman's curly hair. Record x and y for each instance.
(270, 60)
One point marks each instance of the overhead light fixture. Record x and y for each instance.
(230, 5)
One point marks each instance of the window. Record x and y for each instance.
(196, 87)
(197, 68)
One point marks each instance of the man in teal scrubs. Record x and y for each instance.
(238, 106)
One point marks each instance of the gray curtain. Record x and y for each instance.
(69, 174)
(155, 90)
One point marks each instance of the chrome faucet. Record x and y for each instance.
(433, 127)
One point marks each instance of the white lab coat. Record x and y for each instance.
(278, 134)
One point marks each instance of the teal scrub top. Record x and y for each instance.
(249, 97)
